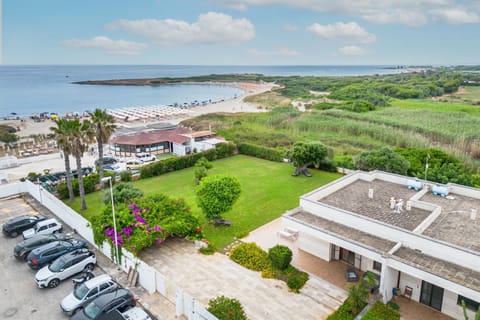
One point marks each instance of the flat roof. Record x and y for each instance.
(346, 233)
(454, 225)
(354, 198)
(463, 276)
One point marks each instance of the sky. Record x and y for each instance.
(241, 32)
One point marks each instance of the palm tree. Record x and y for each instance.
(103, 126)
(62, 133)
(82, 135)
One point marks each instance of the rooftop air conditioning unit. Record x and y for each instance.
(473, 214)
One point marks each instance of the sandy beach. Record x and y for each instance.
(54, 162)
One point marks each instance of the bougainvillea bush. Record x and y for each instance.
(146, 221)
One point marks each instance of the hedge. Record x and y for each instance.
(380, 311)
(261, 152)
(222, 150)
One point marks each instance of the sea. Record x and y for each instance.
(27, 90)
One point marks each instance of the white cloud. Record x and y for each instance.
(408, 12)
(280, 52)
(352, 51)
(456, 16)
(210, 28)
(290, 27)
(350, 32)
(114, 47)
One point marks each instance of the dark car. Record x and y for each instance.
(23, 248)
(105, 306)
(106, 160)
(16, 226)
(45, 254)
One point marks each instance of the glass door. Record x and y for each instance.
(431, 295)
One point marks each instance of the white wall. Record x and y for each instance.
(388, 281)
(314, 246)
(451, 308)
(412, 282)
(178, 149)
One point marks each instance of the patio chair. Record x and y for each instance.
(351, 275)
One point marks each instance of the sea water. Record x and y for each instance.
(28, 90)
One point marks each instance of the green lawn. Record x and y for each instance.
(268, 190)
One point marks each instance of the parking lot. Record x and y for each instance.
(20, 298)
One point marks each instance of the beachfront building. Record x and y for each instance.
(177, 140)
(422, 245)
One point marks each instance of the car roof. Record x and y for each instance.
(23, 217)
(102, 300)
(77, 252)
(47, 221)
(98, 280)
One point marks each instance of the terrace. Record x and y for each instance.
(353, 198)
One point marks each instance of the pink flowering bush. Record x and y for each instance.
(145, 222)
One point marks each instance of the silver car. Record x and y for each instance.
(86, 292)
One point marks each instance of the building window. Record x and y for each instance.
(377, 266)
(469, 303)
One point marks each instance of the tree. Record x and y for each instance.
(62, 133)
(103, 126)
(225, 308)
(82, 135)
(217, 194)
(305, 154)
(384, 159)
(123, 193)
(202, 166)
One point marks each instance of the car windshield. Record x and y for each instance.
(81, 291)
(57, 265)
(91, 310)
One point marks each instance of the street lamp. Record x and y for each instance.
(104, 179)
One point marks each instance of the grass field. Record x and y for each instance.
(268, 190)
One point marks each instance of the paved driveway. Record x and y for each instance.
(19, 296)
(206, 277)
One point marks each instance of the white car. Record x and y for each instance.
(86, 292)
(145, 157)
(134, 164)
(48, 226)
(65, 266)
(136, 313)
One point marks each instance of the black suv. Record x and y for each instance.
(45, 254)
(106, 160)
(23, 248)
(16, 226)
(105, 306)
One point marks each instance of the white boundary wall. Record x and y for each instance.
(148, 277)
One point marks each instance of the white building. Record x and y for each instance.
(428, 247)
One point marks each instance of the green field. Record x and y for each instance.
(268, 190)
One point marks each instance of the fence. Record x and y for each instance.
(148, 277)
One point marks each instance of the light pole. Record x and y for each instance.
(104, 179)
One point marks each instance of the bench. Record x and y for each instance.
(288, 233)
(221, 222)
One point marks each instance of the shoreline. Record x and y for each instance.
(30, 127)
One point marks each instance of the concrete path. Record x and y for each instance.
(206, 277)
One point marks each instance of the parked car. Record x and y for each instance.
(105, 306)
(43, 227)
(86, 292)
(135, 313)
(45, 254)
(134, 164)
(145, 157)
(64, 267)
(15, 226)
(23, 248)
(112, 168)
(106, 160)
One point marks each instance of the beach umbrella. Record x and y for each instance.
(13, 113)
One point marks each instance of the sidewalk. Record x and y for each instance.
(157, 304)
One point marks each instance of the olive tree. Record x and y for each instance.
(217, 194)
(305, 154)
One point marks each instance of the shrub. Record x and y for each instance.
(296, 279)
(125, 176)
(123, 193)
(217, 194)
(210, 249)
(261, 152)
(226, 149)
(380, 311)
(251, 256)
(342, 313)
(280, 256)
(225, 308)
